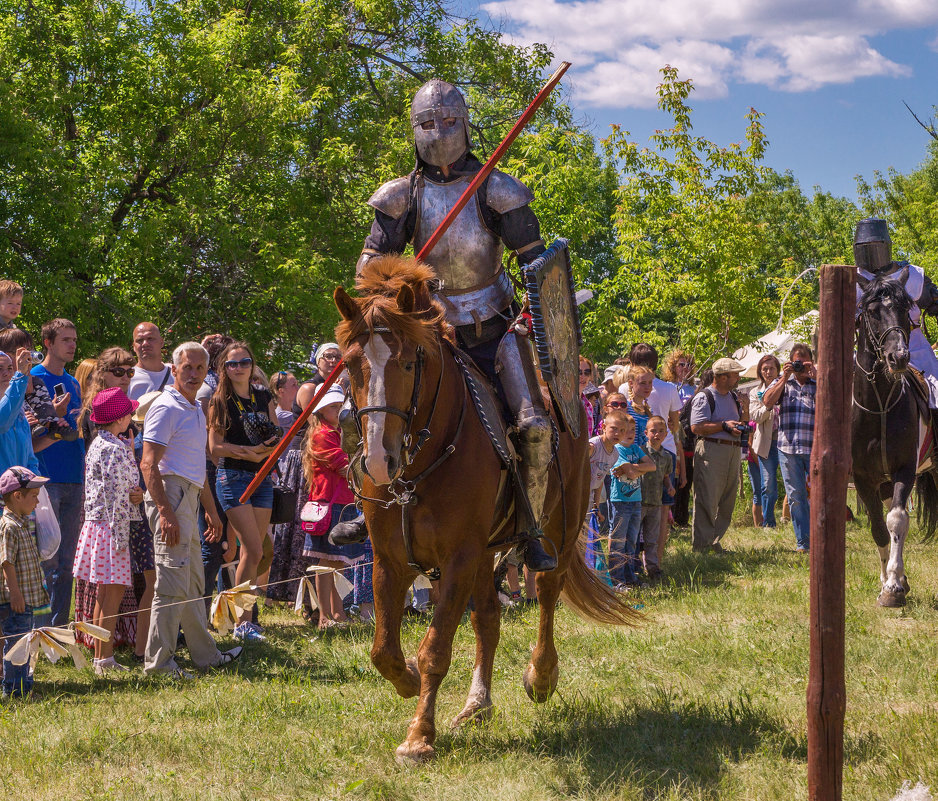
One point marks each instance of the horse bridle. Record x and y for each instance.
(878, 344)
(411, 413)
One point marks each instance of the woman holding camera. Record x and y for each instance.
(242, 432)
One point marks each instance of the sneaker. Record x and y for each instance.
(180, 674)
(247, 633)
(109, 665)
(230, 656)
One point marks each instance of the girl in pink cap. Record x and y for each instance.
(112, 495)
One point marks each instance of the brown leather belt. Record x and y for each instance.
(734, 442)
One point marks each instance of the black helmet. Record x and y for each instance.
(872, 247)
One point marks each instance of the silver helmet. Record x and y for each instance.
(872, 247)
(441, 123)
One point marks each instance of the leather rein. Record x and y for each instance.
(878, 344)
(403, 491)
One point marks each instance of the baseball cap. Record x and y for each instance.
(727, 365)
(19, 478)
(333, 395)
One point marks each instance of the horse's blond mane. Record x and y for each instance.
(378, 285)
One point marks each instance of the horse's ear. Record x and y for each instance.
(904, 275)
(346, 305)
(862, 282)
(422, 300)
(406, 299)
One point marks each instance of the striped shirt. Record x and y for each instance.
(18, 547)
(796, 416)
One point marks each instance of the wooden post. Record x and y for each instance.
(830, 467)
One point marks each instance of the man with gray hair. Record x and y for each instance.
(173, 467)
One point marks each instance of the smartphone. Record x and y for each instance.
(59, 390)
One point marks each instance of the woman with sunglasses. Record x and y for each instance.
(115, 367)
(240, 414)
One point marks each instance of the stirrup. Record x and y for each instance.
(536, 558)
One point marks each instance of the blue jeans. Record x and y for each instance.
(755, 481)
(17, 680)
(67, 500)
(623, 541)
(769, 467)
(230, 485)
(795, 469)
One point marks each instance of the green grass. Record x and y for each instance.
(705, 701)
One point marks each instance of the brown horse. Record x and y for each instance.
(432, 477)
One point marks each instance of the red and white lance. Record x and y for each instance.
(466, 196)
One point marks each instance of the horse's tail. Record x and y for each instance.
(591, 598)
(926, 499)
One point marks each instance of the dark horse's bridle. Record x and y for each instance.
(403, 490)
(879, 344)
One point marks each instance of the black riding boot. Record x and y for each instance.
(535, 557)
(350, 532)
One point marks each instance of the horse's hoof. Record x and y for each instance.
(473, 713)
(413, 754)
(539, 693)
(891, 600)
(905, 585)
(409, 684)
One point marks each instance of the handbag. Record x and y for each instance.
(258, 427)
(316, 516)
(48, 533)
(284, 508)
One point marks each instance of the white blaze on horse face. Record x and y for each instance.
(376, 463)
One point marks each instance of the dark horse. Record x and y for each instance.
(440, 484)
(886, 414)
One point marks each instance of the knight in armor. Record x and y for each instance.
(872, 253)
(475, 290)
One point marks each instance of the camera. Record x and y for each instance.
(797, 366)
(741, 428)
(36, 357)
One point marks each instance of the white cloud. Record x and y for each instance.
(618, 46)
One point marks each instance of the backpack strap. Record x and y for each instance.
(166, 376)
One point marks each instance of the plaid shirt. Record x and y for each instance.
(796, 416)
(18, 547)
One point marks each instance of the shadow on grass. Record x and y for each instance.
(667, 743)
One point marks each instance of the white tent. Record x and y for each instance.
(777, 342)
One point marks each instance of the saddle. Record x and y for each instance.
(510, 521)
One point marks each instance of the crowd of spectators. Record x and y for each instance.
(143, 463)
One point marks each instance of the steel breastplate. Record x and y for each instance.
(468, 257)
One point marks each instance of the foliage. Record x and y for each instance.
(205, 164)
(709, 239)
(910, 204)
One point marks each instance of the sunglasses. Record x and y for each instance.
(247, 361)
(617, 405)
(586, 372)
(331, 357)
(120, 372)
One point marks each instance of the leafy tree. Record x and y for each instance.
(206, 164)
(709, 239)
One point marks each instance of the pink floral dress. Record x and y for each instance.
(103, 552)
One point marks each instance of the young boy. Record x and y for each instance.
(21, 585)
(626, 499)
(653, 484)
(603, 456)
(11, 303)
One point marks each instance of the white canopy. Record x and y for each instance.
(777, 342)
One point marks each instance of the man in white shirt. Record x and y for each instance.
(173, 467)
(151, 373)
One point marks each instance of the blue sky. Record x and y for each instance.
(829, 75)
